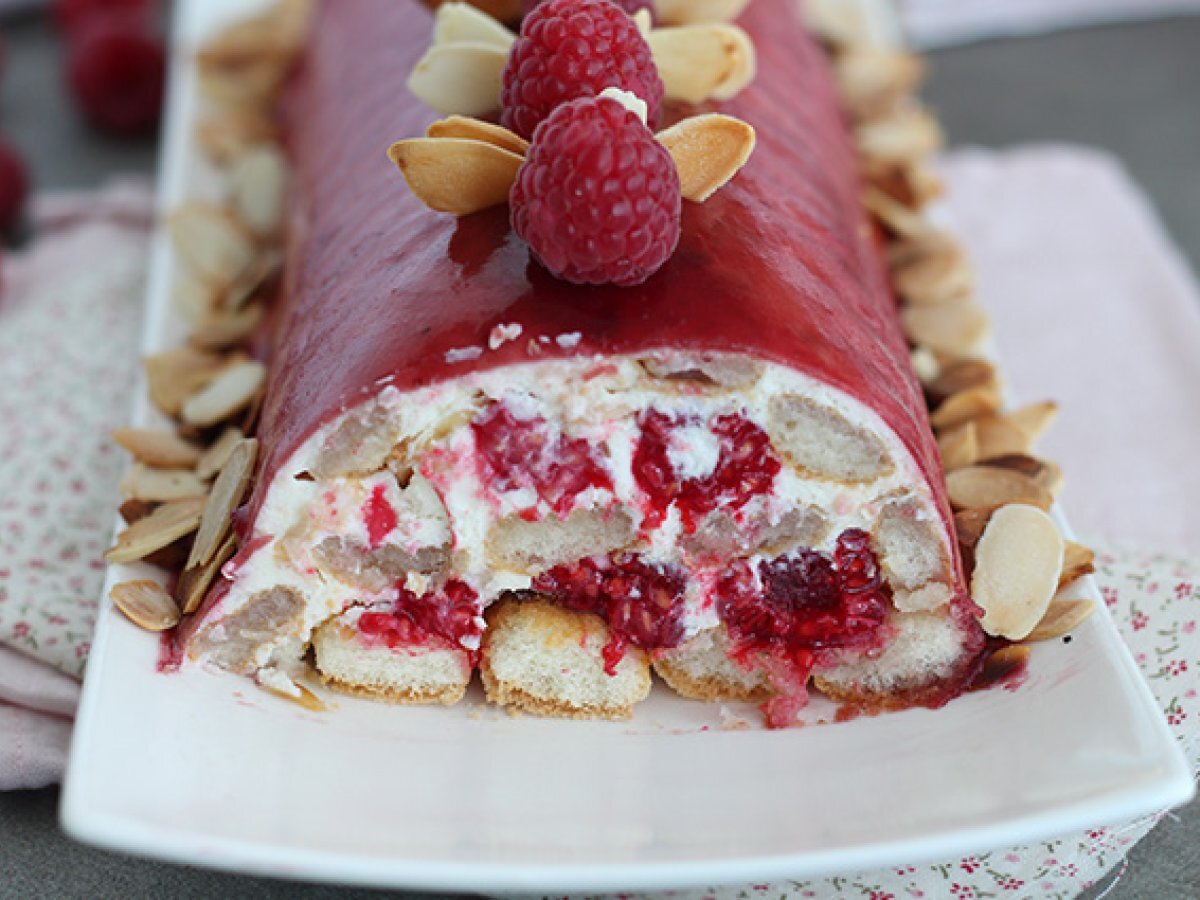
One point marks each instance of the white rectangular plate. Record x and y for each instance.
(206, 769)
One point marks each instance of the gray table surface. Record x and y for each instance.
(1130, 89)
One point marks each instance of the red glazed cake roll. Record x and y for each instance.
(725, 474)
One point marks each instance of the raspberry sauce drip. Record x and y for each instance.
(529, 453)
(640, 601)
(746, 467)
(451, 614)
(799, 606)
(378, 516)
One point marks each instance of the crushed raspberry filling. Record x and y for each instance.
(378, 516)
(529, 453)
(451, 613)
(746, 467)
(641, 602)
(800, 605)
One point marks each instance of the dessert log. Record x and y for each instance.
(726, 473)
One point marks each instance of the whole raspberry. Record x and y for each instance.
(570, 49)
(597, 198)
(630, 6)
(116, 70)
(72, 15)
(14, 185)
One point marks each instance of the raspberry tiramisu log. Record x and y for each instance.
(726, 473)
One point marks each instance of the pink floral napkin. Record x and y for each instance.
(1054, 231)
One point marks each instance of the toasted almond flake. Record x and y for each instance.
(159, 485)
(1000, 437)
(1062, 617)
(911, 184)
(926, 365)
(195, 582)
(687, 12)
(466, 128)
(711, 61)
(227, 394)
(167, 524)
(893, 216)
(840, 24)
(192, 298)
(905, 134)
(455, 176)
(960, 374)
(176, 374)
(132, 510)
(462, 22)
(964, 406)
(158, 447)
(214, 458)
(1017, 561)
(258, 182)
(213, 244)
(708, 151)
(1078, 561)
(1051, 477)
(302, 695)
(988, 487)
(871, 79)
(265, 267)
(227, 493)
(969, 525)
(956, 328)
(1044, 471)
(959, 447)
(1035, 418)
(941, 277)
(928, 242)
(228, 133)
(225, 329)
(252, 85)
(145, 604)
(462, 78)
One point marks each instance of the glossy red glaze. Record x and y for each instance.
(781, 264)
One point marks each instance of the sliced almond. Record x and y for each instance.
(839, 24)
(226, 329)
(215, 457)
(227, 493)
(303, 696)
(959, 447)
(1050, 477)
(228, 133)
(1017, 561)
(160, 485)
(926, 365)
(871, 79)
(227, 394)
(265, 267)
(957, 328)
(906, 134)
(132, 510)
(687, 12)
(164, 526)
(1035, 418)
(987, 487)
(910, 249)
(211, 242)
(711, 61)
(912, 184)
(1061, 618)
(192, 298)
(158, 447)
(146, 604)
(964, 406)
(195, 582)
(998, 436)
(708, 151)
(462, 78)
(456, 176)
(969, 525)
(1078, 561)
(462, 22)
(935, 278)
(895, 217)
(252, 84)
(466, 128)
(959, 375)
(258, 184)
(176, 374)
